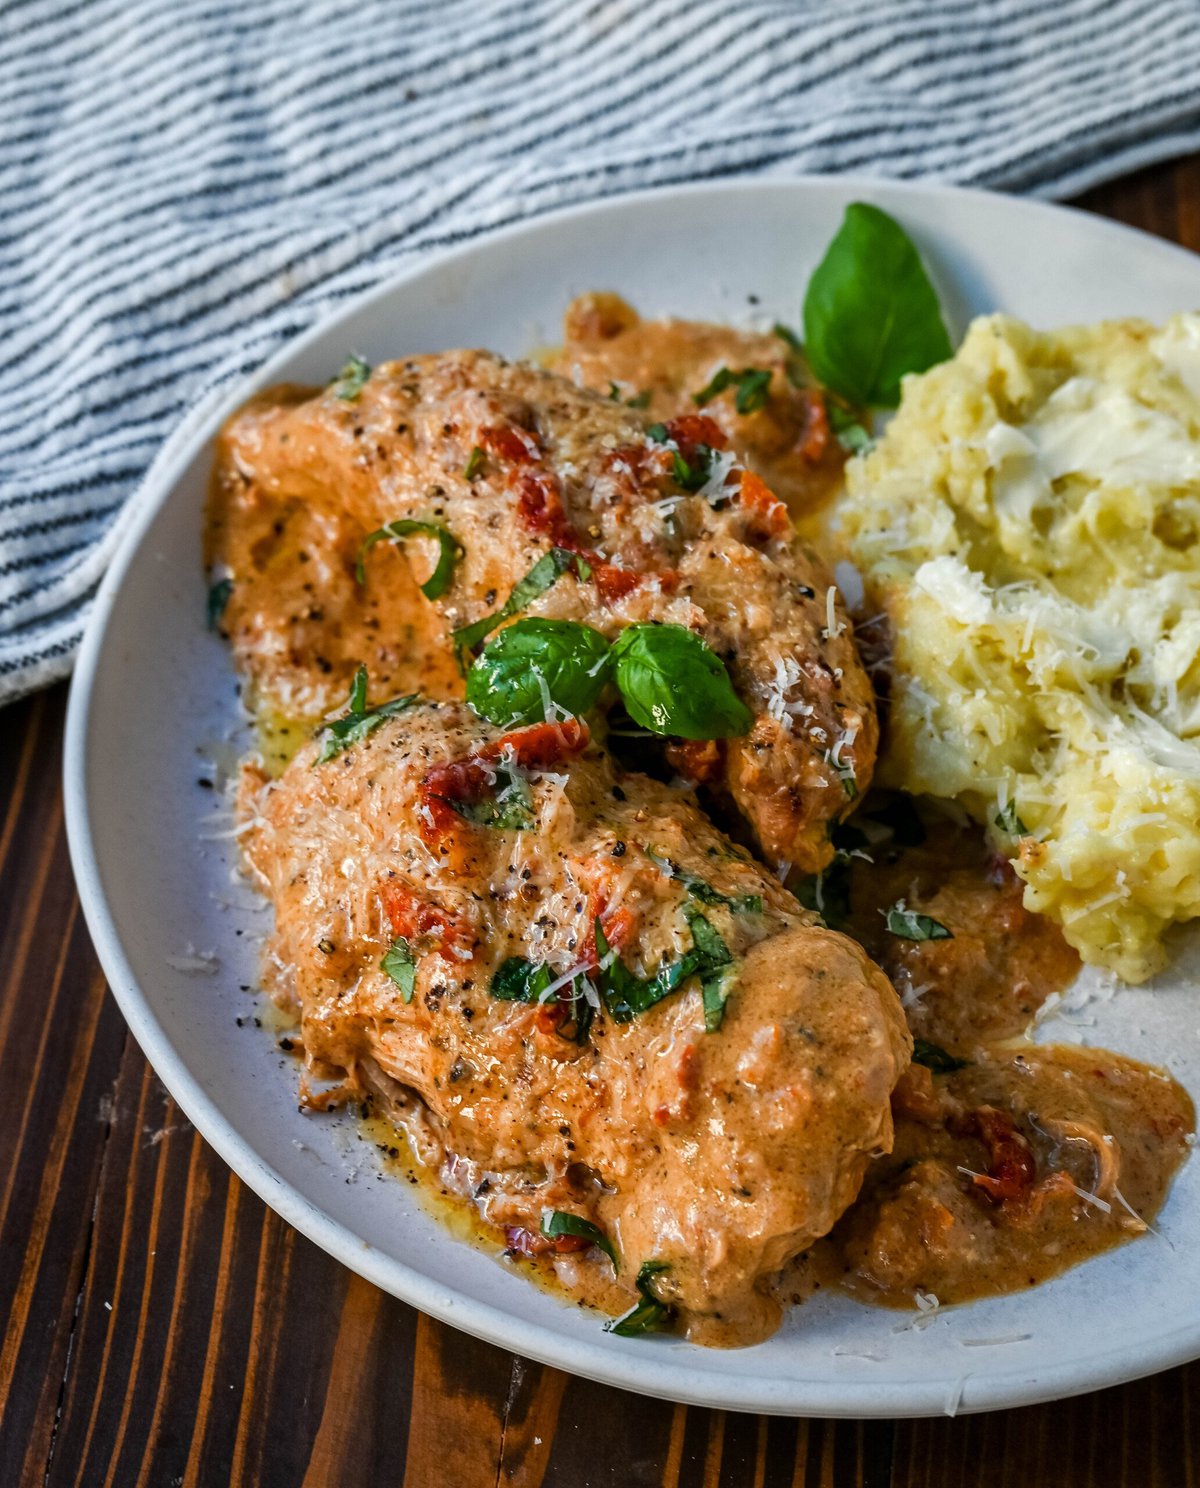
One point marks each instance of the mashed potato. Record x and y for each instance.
(1029, 526)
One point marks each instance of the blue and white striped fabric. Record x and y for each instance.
(184, 183)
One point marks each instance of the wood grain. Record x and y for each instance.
(160, 1327)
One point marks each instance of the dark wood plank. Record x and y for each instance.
(160, 1326)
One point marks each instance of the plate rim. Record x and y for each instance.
(656, 1373)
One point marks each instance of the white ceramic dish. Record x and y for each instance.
(153, 690)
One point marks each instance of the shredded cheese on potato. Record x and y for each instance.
(1030, 526)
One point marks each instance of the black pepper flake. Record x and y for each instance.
(618, 850)
(326, 946)
(203, 783)
(618, 793)
(286, 1045)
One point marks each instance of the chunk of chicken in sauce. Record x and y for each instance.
(717, 1143)
(513, 462)
(780, 427)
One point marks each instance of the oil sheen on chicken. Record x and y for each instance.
(717, 1130)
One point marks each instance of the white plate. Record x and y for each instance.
(152, 689)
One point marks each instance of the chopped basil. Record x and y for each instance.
(508, 806)
(673, 683)
(935, 1058)
(519, 980)
(474, 464)
(910, 925)
(532, 662)
(351, 380)
(844, 772)
(828, 892)
(400, 966)
(690, 474)
(639, 400)
(1010, 823)
(546, 572)
(788, 337)
(627, 995)
(652, 1314)
(752, 384)
(218, 598)
(796, 367)
(450, 551)
(871, 314)
(703, 891)
(557, 1222)
(359, 721)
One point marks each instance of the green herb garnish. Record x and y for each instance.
(627, 995)
(400, 966)
(910, 925)
(359, 721)
(1009, 822)
(752, 384)
(673, 683)
(549, 568)
(532, 661)
(652, 1314)
(556, 1222)
(849, 430)
(474, 463)
(218, 598)
(351, 380)
(828, 892)
(691, 474)
(715, 969)
(935, 1058)
(702, 891)
(639, 400)
(508, 806)
(871, 314)
(519, 980)
(450, 551)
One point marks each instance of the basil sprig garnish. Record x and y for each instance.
(702, 891)
(935, 1058)
(627, 995)
(752, 383)
(546, 572)
(533, 659)
(218, 598)
(351, 380)
(507, 806)
(652, 1314)
(670, 681)
(1009, 822)
(556, 1222)
(359, 721)
(909, 925)
(692, 474)
(399, 964)
(673, 683)
(871, 314)
(450, 550)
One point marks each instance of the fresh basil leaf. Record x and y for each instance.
(359, 721)
(788, 337)
(508, 806)
(828, 893)
(400, 966)
(1010, 823)
(519, 980)
(639, 400)
(651, 1314)
(871, 314)
(658, 433)
(844, 771)
(909, 925)
(474, 464)
(935, 1058)
(546, 572)
(351, 380)
(627, 995)
(557, 1222)
(702, 891)
(531, 660)
(672, 683)
(450, 551)
(752, 383)
(218, 598)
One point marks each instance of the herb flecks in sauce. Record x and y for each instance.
(359, 721)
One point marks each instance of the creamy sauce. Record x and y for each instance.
(1007, 1168)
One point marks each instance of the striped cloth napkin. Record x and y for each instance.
(185, 183)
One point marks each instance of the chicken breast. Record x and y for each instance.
(512, 462)
(605, 1008)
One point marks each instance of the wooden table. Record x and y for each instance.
(162, 1327)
